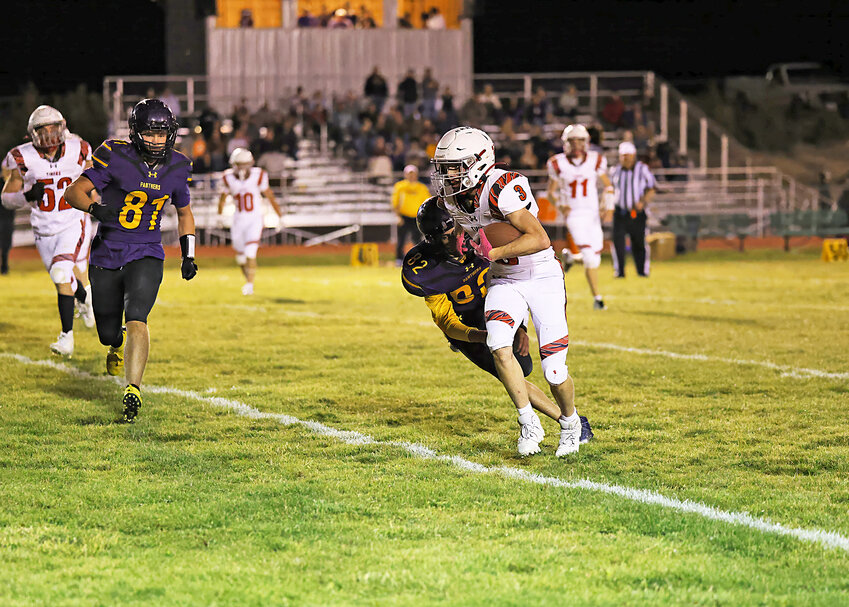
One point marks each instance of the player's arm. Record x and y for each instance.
(533, 239)
(186, 230)
(447, 320)
(272, 201)
(221, 201)
(12, 196)
(79, 196)
(608, 198)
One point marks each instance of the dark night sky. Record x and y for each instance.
(59, 43)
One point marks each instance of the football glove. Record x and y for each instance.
(483, 247)
(189, 268)
(35, 193)
(102, 213)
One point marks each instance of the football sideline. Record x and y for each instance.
(824, 538)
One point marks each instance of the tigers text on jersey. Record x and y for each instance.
(578, 181)
(51, 214)
(247, 192)
(140, 193)
(505, 192)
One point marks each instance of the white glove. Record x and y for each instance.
(608, 199)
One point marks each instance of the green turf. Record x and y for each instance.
(196, 505)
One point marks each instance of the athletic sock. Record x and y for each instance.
(526, 414)
(598, 298)
(66, 312)
(568, 421)
(80, 293)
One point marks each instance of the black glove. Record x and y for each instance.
(102, 213)
(35, 193)
(189, 268)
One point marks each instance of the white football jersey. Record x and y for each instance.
(52, 214)
(505, 192)
(578, 182)
(247, 192)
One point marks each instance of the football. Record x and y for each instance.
(500, 233)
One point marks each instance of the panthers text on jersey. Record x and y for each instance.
(51, 214)
(454, 291)
(578, 181)
(139, 192)
(505, 192)
(247, 192)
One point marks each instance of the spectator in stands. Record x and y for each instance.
(340, 20)
(430, 91)
(406, 21)
(171, 100)
(376, 89)
(398, 154)
(473, 113)
(596, 132)
(238, 140)
(416, 155)
(287, 138)
(490, 102)
(528, 160)
(307, 19)
(435, 20)
(613, 111)
(408, 93)
(216, 149)
(448, 106)
(365, 20)
(246, 19)
(538, 111)
(200, 155)
(210, 122)
(569, 102)
(379, 164)
(407, 196)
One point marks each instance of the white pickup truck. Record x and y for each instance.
(809, 82)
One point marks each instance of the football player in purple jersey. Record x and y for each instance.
(453, 285)
(136, 179)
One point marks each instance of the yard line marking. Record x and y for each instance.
(828, 539)
(786, 370)
(721, 302)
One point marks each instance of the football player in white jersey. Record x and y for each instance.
(525, 275)
(247, 185)
(573, 186)
(43, 168)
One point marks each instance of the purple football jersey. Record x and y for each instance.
(140, 193)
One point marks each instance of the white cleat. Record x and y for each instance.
(248, 288)
(530, 436)
(570, 438)
(87, 312)
(64, 344)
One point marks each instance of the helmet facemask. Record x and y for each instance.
(47, 136)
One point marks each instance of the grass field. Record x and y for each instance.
(723, 380)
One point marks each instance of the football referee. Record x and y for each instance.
(634, 185)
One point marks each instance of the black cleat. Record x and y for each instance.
(598, 304)
(586, 431)
(132, 403)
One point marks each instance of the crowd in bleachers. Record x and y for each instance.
(381, 131)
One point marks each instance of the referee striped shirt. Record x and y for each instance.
(631, 184)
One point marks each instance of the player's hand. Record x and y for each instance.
(35, 193)
(102, 213)
(189, 268)
(521, 343)
(483, 247)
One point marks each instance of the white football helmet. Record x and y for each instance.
(462, 159)
(575, 131)
(43, 116)
(241, 158)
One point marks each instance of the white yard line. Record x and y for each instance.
(722, 302)
(828, 539)
(799, 372)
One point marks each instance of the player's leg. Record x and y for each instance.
(251, 248)
(592, 260)
(504, 310)
(107, 300)
(238, 238)
(142, 280)
(547, 300)
(637, 232)
(56, 253)
(82, 294)
(619, 232)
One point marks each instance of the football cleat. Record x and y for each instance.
(248, 288)
(132, 403)
(586, 430)
(530, 436)
(115, 356)
(569, 438)
(598, 304)
(64, 344)
(86, 310)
